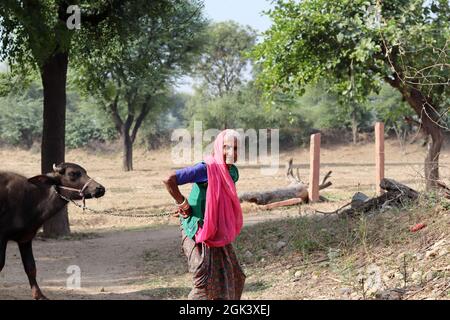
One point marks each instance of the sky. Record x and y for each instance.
(246, 12)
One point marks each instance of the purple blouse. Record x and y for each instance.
(193, 174)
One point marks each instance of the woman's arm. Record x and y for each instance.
(172, 187)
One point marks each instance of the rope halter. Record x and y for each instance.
(80, 192)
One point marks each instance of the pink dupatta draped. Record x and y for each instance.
(223, 214)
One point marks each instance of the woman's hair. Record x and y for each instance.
(232, 133)
(228, 133)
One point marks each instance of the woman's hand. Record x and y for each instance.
(182, 213)
(184, 208)
(186, 213)
(171, 185)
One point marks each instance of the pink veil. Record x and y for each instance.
(223, 214)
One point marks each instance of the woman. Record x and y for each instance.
(211, 219)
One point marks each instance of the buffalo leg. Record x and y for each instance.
(3, 244)
(26, 252)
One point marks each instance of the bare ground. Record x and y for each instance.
(113, 265)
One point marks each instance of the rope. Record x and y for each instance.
(115, 212)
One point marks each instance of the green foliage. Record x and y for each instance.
(21, 116)
(20, 120)
(324, 111)
(160, 48)
(136, 69)
(33, 31)
(296, 116)
(86, 124)
(13, 83)
(245, 109)
(390, 108)
(20, 109)
(166, 116)
(356, 44)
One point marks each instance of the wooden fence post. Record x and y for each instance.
(314, 168)
(379, 155)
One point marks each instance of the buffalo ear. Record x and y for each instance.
(42, 180)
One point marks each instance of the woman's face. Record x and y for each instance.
(230, 150)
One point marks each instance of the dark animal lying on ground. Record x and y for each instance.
(25, 204)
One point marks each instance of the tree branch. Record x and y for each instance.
(128, 123)
(140, 119)
(115, 114)
(101, 14)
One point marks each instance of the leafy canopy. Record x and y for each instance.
(225, 59)
(144, 63)
(355, 44)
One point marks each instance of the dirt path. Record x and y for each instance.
(114, 265)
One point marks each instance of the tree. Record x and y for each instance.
(223, 64)
(36, 33)
(355, 45)
(20, 120)
(166, 116)
(326, 110)
(139, 68)
(244, 108)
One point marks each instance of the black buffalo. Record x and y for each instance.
(25, 204)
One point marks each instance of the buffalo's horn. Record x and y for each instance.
(55, 168)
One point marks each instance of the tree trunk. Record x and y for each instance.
(296, 190)
(265, 197)
(54, 75)
(424, 108)
(429, 117)
(432, 159)
(127, 159)
(354, 128)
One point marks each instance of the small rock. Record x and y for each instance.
(102, 290)
(248, 254)
(345, 291)
(333, 253)
(354, 295)
(398, 276)
(438, 249)
(419, 256)
(262, 260)
(390, 294)
(443, 252)
(280, 245)
(298, 274)
(389, 275)
(416, 276)
(358, 199)
(401, 256)
(431, 253)
(429, 276)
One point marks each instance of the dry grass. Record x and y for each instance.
(333, 258)
(352, 166)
